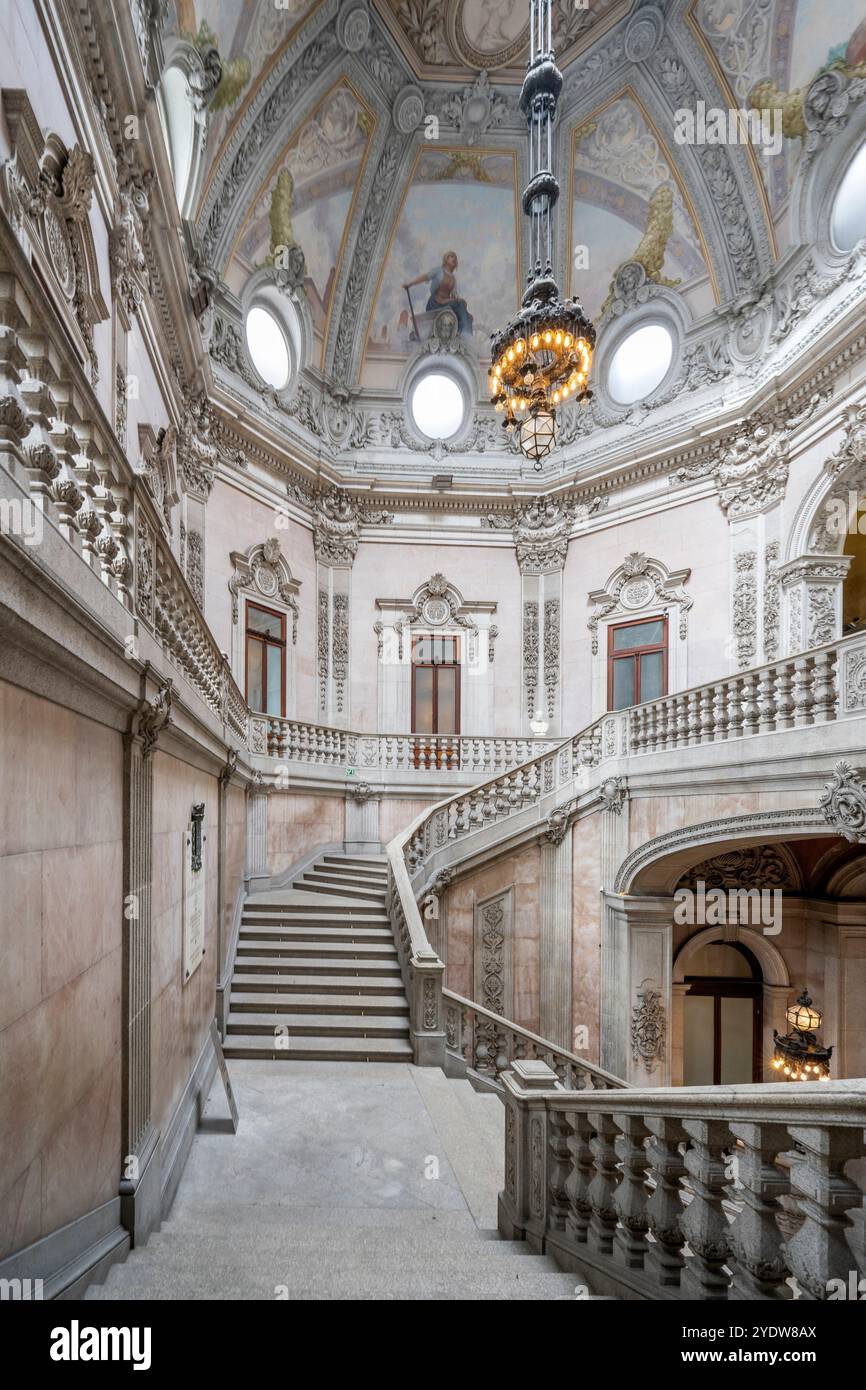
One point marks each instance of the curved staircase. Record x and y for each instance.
(316, 974)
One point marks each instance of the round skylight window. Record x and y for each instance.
(640, 363)
(849, 206)
(268, 348)
(437, 405)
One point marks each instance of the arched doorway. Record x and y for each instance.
(722, 1016)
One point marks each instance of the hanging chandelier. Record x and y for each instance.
(542, 358)
(798, 1055)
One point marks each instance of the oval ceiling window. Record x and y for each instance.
(437, 405)
(268, 348)
(640, 363)
(849, 206)
(180, 126)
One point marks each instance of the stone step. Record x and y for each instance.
(318, 1003)
(364, 861)
(378, 873)
(348, 890)
(278, 912)
(300, 949)
(320, 1049)
(266, 976)
(318, 1025)
(307, 932)
(330, 873)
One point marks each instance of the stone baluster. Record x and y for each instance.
(580, 1177)
(14, 423)
(825, 687)
(766, 701)
(819, 1252)
(665, 1208)
(121, 530)
(720, 712)
(705, 715)
(783, 696)
(559, 1167)
(802, 692)
(756, 1254)
(734, 693)
(630, 1200)
(750, 707)
(65, 491)
(693, 718)
(652, 729)
(636, 731)
(604, 1184)
(40, 460)
(704, 1223)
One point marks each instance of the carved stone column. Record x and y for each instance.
(555, 930)
(140, 1188)
(812, 589)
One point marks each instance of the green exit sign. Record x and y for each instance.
(350, 772)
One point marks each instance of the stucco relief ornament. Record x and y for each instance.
(361, 792)
(635, 583)
(844, 803)
(558, 822)
(474, 111)
(353, 26)
(613, 793)
(337, 521)
(648, 1026)
(152, 717)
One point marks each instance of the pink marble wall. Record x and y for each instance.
(586, 931)
(521, 873)
(297, 824)
(397, 814)
(181, 1012)
(60, 945)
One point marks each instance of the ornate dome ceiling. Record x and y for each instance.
(374, 144)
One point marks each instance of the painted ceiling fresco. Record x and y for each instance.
(770, 51)
(494, 34)
(461, 202)
(307, 197)
(627, 205)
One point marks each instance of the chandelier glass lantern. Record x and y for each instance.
(542, 358)
(798, 1055)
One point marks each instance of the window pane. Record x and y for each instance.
(423, 721)
(275, 679)
(623, 682)
(698, 1040)
(651, 676)
(737, 1027)
(447, 721)
(258, 620)
(638, 635)
(254, 673)
(423, 649)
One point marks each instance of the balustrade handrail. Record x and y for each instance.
(563, 1057)
(818, 1102)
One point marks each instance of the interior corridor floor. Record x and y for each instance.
(345, 1181)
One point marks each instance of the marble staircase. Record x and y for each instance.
(316, 974)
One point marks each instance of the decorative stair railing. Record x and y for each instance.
(629, 1192)
(485, 1042)
(541, 795)
(372, 755)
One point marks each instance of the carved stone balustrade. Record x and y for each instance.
(676, 1193)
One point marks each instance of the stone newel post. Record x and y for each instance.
(523, 1201)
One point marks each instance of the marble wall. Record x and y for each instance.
(181, 1010)
(519, 876)
(298, 823)
(235, 862)
(61, 861)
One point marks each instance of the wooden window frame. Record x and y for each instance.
(436, 665)
(265, 642)
(718, 989)
(638, 651)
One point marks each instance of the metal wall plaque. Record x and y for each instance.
(194, 843)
